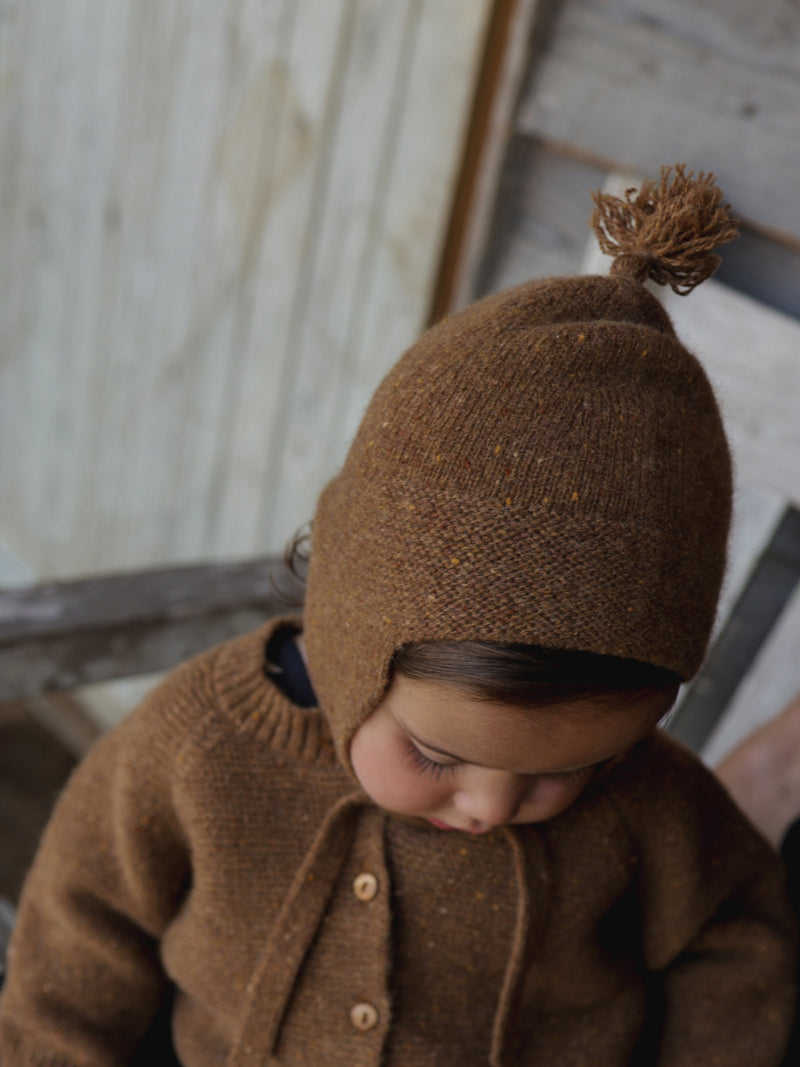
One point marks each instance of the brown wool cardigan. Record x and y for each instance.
(214, 838)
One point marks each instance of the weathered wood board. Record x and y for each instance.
(639, 83)
(768, 686)
(540, 227)
(541, 217)
(221, 223)
(56, 636)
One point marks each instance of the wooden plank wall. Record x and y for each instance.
(636, 83)
(221, 221)
(629, 85)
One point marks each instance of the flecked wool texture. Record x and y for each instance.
(547, 466)
(211, 844)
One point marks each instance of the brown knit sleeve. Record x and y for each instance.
(84, 977)
(718, 931)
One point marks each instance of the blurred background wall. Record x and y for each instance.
(220, 222)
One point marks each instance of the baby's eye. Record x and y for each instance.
(425, 764)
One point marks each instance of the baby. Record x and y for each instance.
(433, 821)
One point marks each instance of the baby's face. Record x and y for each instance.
(435, 751)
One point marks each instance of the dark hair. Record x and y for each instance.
(290, 585)
(533, 675)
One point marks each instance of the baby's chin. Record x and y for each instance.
(476, 828)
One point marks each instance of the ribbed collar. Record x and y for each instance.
(247, 696)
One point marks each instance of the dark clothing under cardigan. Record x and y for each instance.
(212, 849)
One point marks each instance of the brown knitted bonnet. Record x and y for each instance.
(546, 467)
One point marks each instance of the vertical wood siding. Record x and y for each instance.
(219, 225)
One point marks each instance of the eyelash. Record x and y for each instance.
(435, 769)
(427, 765)
(568, 776)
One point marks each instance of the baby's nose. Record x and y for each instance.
(494, 798)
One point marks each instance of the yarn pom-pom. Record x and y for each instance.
(666, 230)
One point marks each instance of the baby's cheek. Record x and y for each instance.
(549, 797)
(387, 778)
(405, 790)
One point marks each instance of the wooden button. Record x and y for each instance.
(365, 886)
(364, 1017)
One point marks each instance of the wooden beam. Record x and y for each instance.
(756, 612)
(497, 88)
(60, 635)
